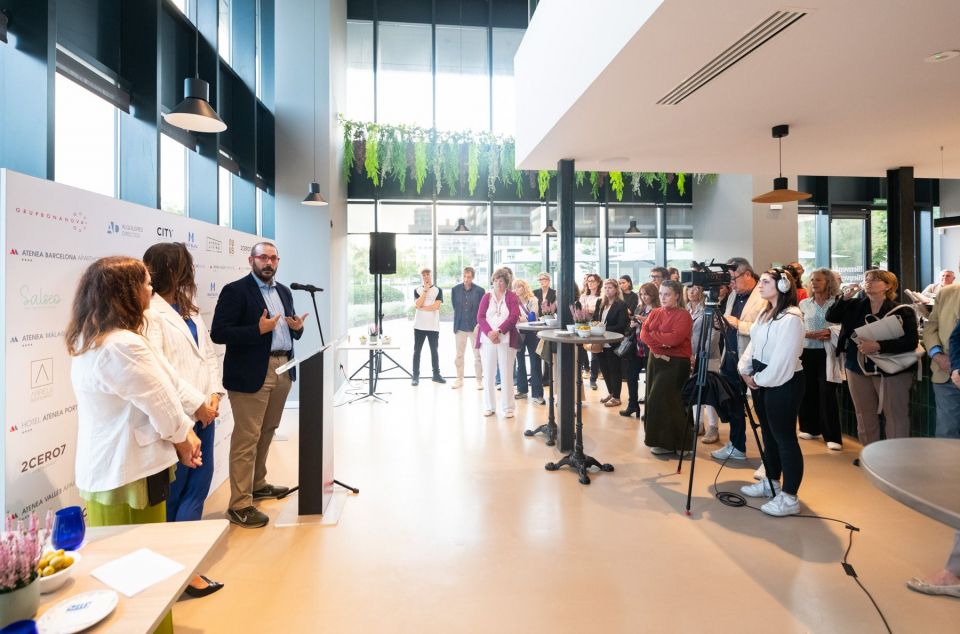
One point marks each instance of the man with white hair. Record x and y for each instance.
(947, 277)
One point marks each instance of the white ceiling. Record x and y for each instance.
(849, 78)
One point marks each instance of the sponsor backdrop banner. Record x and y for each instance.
(50, 234)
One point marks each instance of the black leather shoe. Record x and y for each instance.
(415, 381)
(630, 411)
(269, 492)
(196, 593)
(439, 379)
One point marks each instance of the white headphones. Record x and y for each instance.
(783, 280)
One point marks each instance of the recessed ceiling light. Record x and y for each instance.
(941, 56)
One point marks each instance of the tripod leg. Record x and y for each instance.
(355, 490)
(763, 455)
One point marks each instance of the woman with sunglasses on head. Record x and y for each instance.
(771, 368)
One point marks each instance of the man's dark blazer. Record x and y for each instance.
(236, 324)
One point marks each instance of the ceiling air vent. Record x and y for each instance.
(751, 41)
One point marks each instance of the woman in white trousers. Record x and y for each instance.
(498, 339)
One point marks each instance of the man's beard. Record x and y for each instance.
(264, 277)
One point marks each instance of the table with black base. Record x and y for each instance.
(374, 366)
(548, 429)
(576, 459)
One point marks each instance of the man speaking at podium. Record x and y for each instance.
(255, 319)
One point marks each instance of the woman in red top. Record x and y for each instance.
(666, 332)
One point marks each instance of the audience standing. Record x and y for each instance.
(426, 324)
(819, 409)
(498, 340)
(466, 298)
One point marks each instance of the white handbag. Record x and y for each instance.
(889, 327)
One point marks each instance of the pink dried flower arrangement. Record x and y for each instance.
(20, 551)
(580, 316)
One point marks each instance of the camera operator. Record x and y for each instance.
(744, 304)
(771, 368)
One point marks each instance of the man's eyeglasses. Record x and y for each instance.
(656, 276)
(267, 258)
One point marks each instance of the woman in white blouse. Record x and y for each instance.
(176, 330)
(593, 286)
(819, 410)
(131, 428)
(771, 368)
(529, 309)
(498, 340)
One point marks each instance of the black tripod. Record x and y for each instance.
(374, 365)
(703, 359)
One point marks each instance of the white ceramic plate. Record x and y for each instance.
(78, 612)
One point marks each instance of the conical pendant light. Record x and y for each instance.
(195, 112)
(461, 227)
(550, 230)
(781, 193)
(633, 230)
(313, 198)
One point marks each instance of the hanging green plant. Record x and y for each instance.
(398, 162)
(492, 151)
(347, 153)
(371, 161)
(451, 166)
(616, 184)
(595, 185)
(419, 163)
(681, 183)
(543, 183)
(473, 166)
(436, 162)
(579, 177)
(385, 150)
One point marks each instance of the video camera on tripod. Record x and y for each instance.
(700, 274)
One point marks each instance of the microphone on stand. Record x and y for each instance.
(310, 288)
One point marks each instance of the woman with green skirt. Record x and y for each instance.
(668, 423)
(131, 429)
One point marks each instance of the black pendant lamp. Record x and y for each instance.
(461, 227)
(195, 112)
(781, 193)
(633, 230)
(550, 230)
(313, 198)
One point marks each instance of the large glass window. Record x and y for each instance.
(632, 254)
(847, 247)
(878, 238)
(359, 279)
(587, 241)
(404, 74)
(223, 30)
(463, 83)
(505, 45)
(807, 240)
(173, 176)
(679, 237)
(85, 145)
(516, 239)
(458, 250)
(359, 106)
(225, 196)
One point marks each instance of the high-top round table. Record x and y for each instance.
(923, 473)
(576, 459)
(548, 429)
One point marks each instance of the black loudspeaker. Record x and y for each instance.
(383, 253)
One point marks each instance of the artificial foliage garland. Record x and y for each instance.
(455, 158)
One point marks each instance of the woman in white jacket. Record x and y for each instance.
(771, 367)
(177, 331)
(131, 428)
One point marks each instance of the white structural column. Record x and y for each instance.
(310, 88)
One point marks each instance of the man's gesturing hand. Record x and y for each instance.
(296, 323)
(267, 324)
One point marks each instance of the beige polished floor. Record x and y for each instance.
(458, 528)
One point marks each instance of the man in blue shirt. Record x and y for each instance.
(466, 302)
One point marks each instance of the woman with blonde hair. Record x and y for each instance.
(819, 409)
(498, 340)
(131, 428)
(879, 298)
(592, 289)
(529, 309)
(611, 311)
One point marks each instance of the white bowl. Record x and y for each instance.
(55, 581)
(598, 330)
(583, 332)
(571, 328)
(551, 321)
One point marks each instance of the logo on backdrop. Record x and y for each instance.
(41, 378)
(212, 291)
(232, 245)
(29, 255)
(125, 230)
(191, 240)
(30, 338)
(214, 245)
(28, 425)
(245, 249)
(43, 458)
(164, 232)
(32, 298)
(77, 220)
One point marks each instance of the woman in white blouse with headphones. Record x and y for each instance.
(177, 331)
(771, 368)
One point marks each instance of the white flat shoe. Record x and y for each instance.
(834, 446)
(509, 414)
(489, 412)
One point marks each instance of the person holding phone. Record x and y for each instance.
(529, 306)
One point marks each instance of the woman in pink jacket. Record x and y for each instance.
(498, 340)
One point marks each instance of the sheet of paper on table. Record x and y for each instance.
(137, 571)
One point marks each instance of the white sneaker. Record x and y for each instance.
(479, 385)
(712, 436)
(728, 451)
(660, 451)
(509, 414)
(760, 473)
(488, 412)
(760, 489)
(805, 436)
(782, 505)
(834, 446)
(457, 384)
